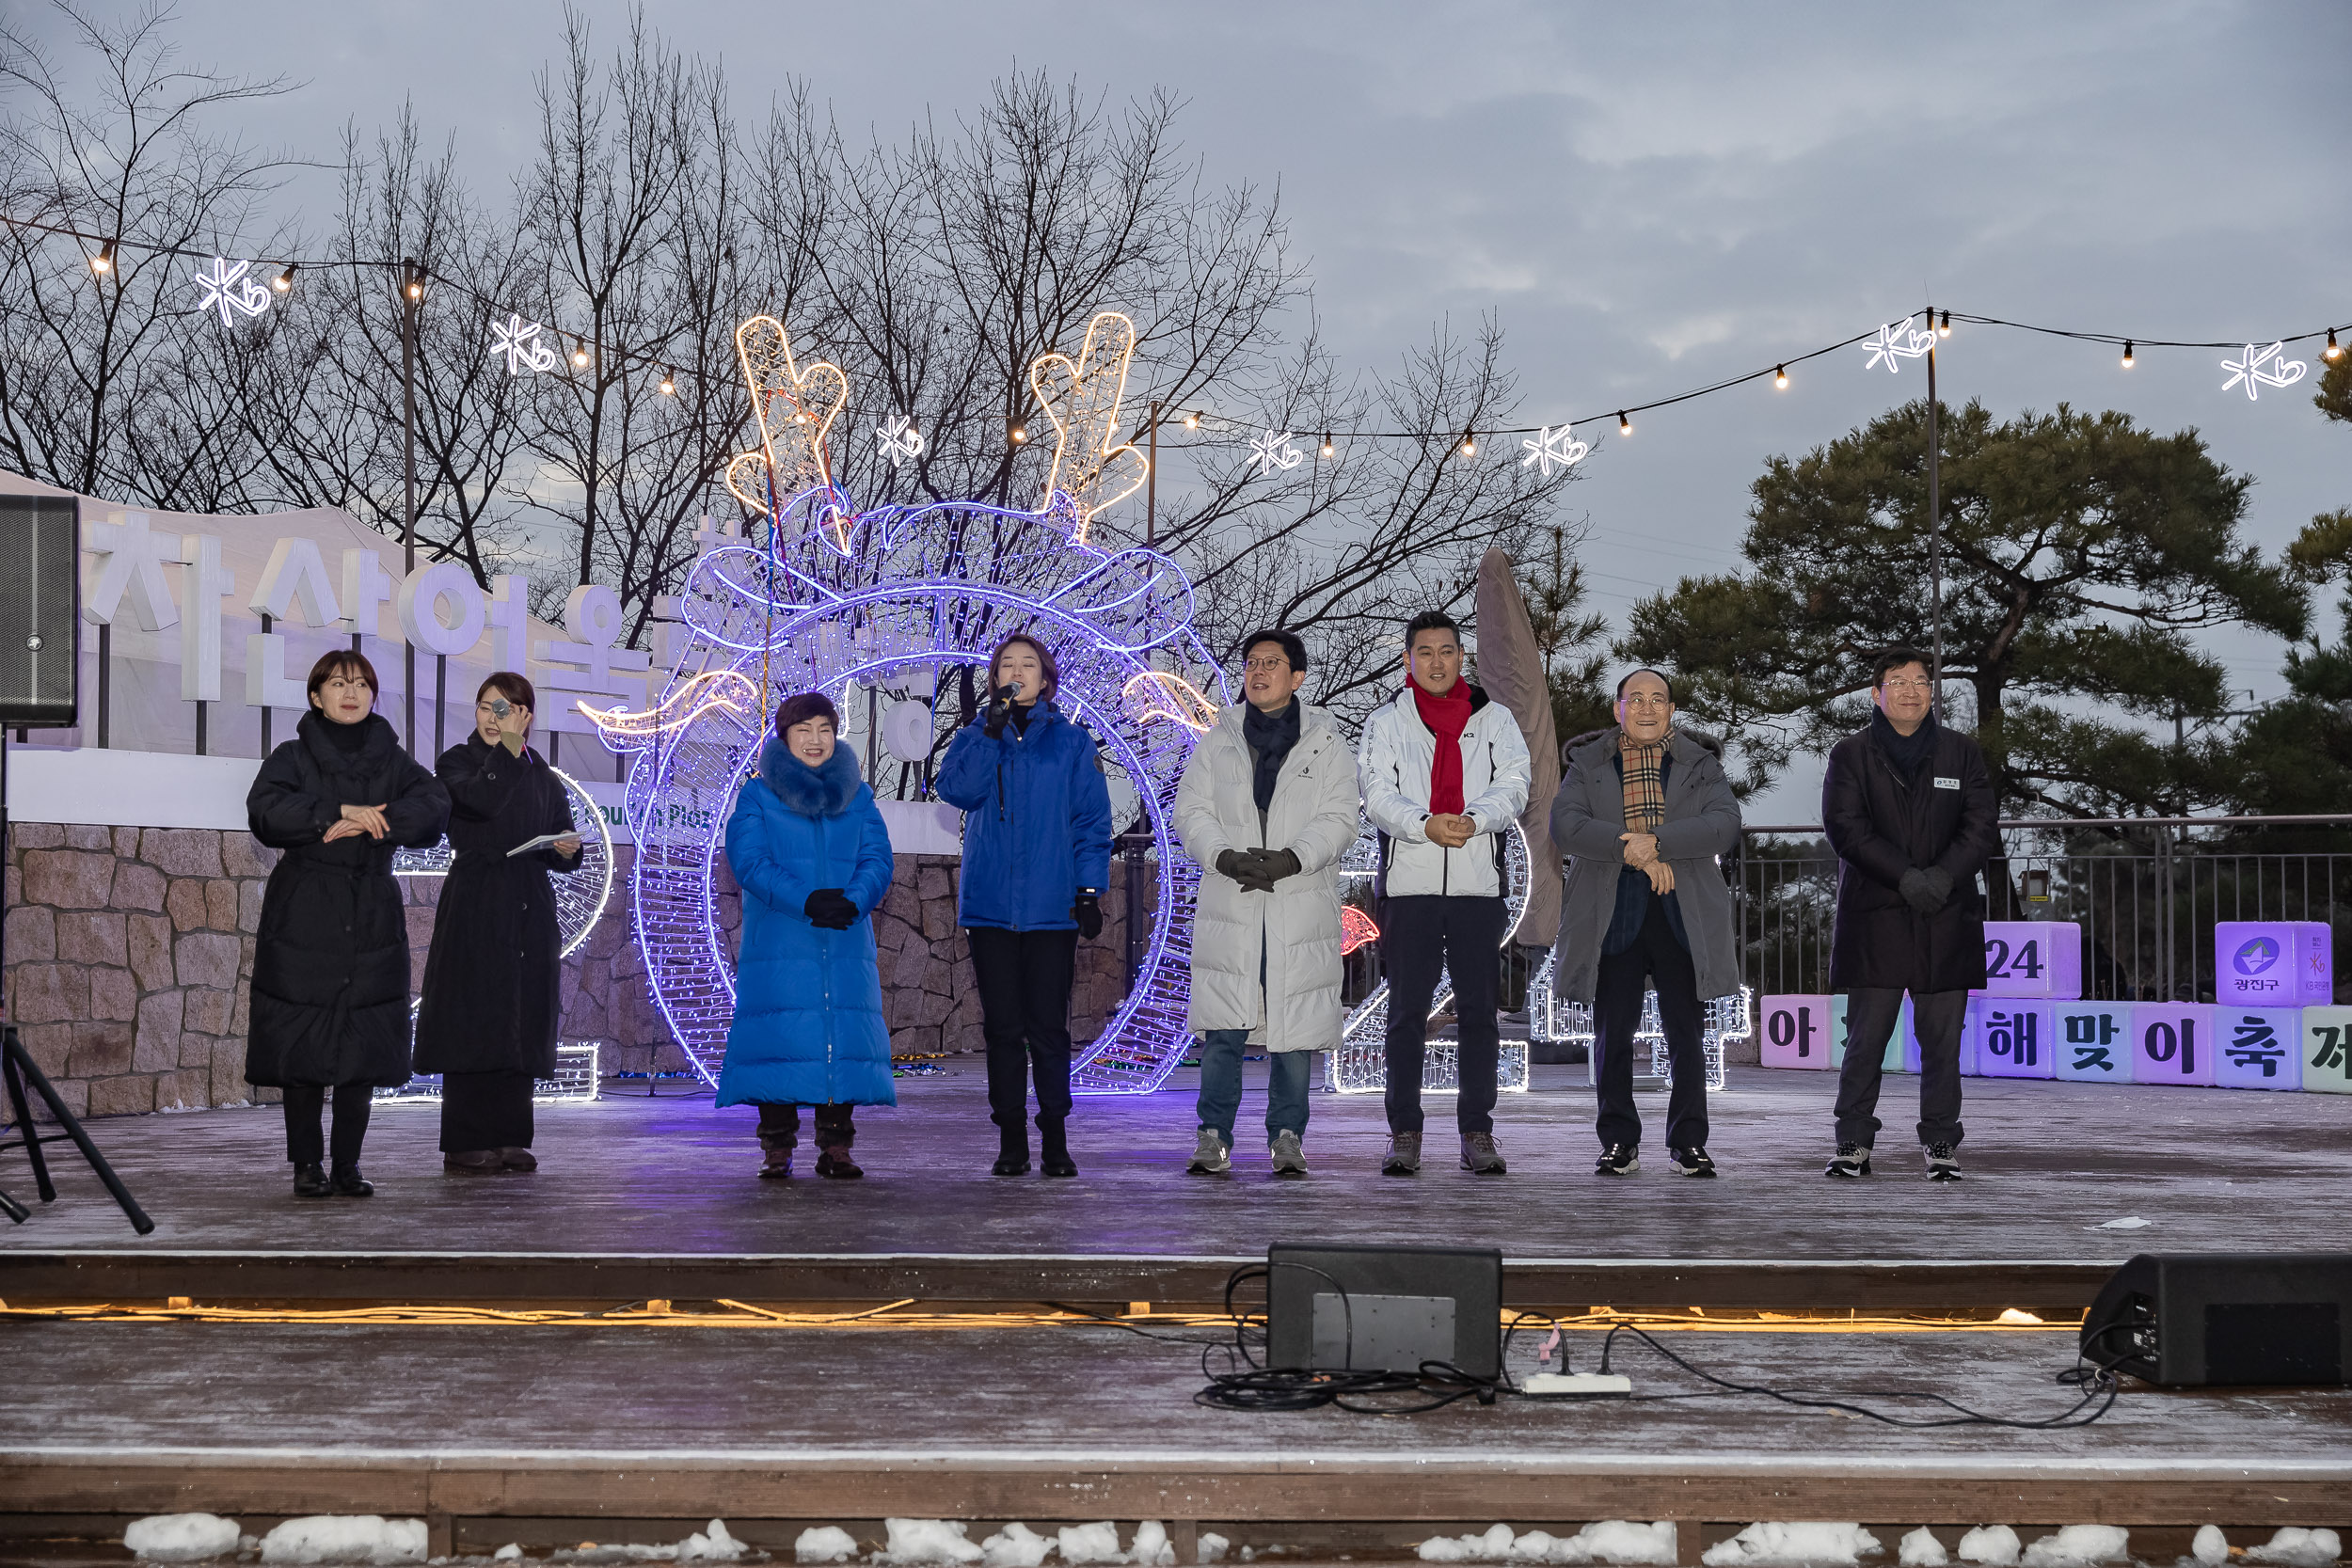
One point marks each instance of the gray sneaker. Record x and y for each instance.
(1480, 1157)
(1404, 1156)
(1210, 1156)
(1289, 1158)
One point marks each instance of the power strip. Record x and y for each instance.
(1576, 1386)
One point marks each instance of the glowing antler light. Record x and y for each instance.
(796, 408)
(1082, 398)
(1158, 695)
(1356, 930)
(728, 689)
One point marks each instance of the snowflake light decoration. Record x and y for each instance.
(899, 441)
(224, 286)
(2254, 368)
(518, 340)
(1552, 449)
(900, 596)
(1274, 454)
(1895, 343)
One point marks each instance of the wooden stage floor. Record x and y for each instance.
(494, 1428)
(2049, 1164)
(505, 1432)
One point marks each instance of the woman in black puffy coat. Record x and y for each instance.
(330, 968)
(487, 1024)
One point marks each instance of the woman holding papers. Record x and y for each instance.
(488, 1019)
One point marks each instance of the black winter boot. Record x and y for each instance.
(1054, 1158)
(310, 1180)
(1012, 1152)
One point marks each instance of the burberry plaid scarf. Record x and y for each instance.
(1644, 781)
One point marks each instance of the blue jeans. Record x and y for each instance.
(1220, 1086)
(1220, 1079)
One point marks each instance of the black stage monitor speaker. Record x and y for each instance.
(41, 611)
(2225, 1318)
(1384, 1308)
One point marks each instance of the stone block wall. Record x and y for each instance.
(129, 953)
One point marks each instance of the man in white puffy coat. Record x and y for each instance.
(1267, 806)
(1443, 772)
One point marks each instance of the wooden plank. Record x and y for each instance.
(1381, 1494)
(544, 1279)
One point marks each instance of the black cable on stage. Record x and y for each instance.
(2094, 1381)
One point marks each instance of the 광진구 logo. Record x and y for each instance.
(2257, 956)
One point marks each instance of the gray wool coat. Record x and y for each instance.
(1702, 822)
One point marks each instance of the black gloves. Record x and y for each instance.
(828, 907)
(1926, 890)
(1087, 912)
(1000, 712)
(1275, 864)
(1243, 866)
(1258, 870)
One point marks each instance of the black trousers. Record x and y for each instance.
(1936, 1018)
(1655, 960)
(1420, 935)
(484, 1110)
(306, 1145)
(1025, 979)
(780, 1126)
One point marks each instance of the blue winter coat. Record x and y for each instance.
(1036, 824)
(808, 1025)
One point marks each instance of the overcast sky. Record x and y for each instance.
(1650, 196)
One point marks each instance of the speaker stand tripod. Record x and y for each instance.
(20, 1072)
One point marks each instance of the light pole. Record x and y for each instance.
(411, 291)
(1935, 520)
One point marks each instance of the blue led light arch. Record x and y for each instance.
(837, 597)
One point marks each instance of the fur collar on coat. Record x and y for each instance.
(826, 790)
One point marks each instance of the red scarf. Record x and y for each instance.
(1446, 718)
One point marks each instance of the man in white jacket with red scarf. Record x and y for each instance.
(1443, 773)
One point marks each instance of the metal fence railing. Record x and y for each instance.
(2146, 890)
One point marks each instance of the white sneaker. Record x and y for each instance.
(1289, 1158)
(1210, 1157)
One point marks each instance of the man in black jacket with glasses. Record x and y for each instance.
(1909, 809)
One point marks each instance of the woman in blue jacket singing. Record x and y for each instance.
(808, 848)
(1037, 851)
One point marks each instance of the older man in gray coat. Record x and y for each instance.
(1642, 816)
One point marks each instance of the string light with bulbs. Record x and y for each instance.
(2254, 367)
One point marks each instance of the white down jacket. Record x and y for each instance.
(1398, 752)
(1298, 925)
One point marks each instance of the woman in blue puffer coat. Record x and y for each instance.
(1037, 851)
(808, 848)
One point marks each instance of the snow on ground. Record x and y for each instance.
(1921, 1549)
(180, 1537)
(1821, 1545)
(2078, 1544)
(1611, 1541)
(1995, 1546)
(2296, 1548)
(353, 1538)
(824, 1544)
(1015, 1546)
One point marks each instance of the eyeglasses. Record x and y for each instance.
(1906, 686)
(1272, 664)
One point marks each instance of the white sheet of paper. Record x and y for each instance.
(539, 842)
